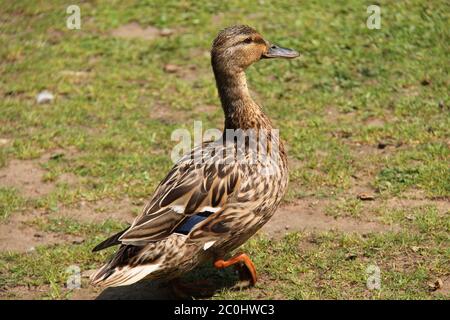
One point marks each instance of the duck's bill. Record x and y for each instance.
(279, 52)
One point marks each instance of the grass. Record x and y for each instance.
(331, 265)
(345, 207)
(10, 201)
(74, 227)
(360, 108)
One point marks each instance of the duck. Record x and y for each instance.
(220, 193)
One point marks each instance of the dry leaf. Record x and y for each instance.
(366, 197)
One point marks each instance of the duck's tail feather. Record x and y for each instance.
(118, 273)
(111, 241)
(123, 276)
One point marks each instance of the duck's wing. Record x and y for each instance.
(186, 191)
(190, 188)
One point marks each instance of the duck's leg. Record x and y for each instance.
(242, 261)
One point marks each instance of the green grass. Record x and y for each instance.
(10, 201)
(334, 266)
(352, 89)
(47, 266)
(345, 208)
(74, 227)
(425, 219)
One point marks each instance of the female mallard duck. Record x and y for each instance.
(215, 198)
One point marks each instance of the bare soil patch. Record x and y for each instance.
(331, 113)
(309, 215)
(207, 108)
(188, 73)
(23, 292)
(166, 114)
(195, 53)
(25, 176)
(443, 206)
(445, 289)
(217, 19)
(123, 210)
(375, 122)
(17, 236)
(134, 30)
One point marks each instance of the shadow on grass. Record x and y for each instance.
(217, 280)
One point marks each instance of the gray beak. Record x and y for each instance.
(279, 52)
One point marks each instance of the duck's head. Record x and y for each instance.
(235, 48)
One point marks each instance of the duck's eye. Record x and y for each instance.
(248, 40)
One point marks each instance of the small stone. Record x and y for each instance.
(415, 248)
(78, 241)
(171, 68)
(45, 97)
(4, 142)
(436, 285)
(366, 197)
(165, 32)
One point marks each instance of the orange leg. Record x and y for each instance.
(240, 258)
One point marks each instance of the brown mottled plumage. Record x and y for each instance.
(220, 194)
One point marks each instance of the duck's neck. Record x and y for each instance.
(241, 111)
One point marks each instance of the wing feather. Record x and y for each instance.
(188, 189)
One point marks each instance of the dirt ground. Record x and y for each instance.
(306, 215)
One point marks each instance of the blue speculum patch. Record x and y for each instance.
(191, 222)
